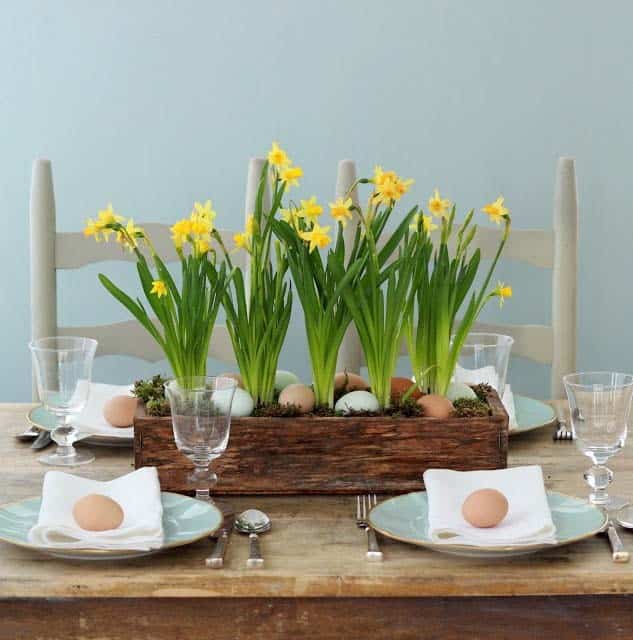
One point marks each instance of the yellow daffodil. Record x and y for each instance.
(129, 234)
(202, 246)
(291, 175)
(310, 210)
(107, 222)
(290, 215)
(340, 210)
(92, 229)
(381, 176)
(159, 288)
(251, 225)
(503, 291)
(387, 192)
(496, 211)
(317, 237)
(202, 211)
(427, 223)
(241, 240)
(181, 232)
(438, 206)
(277, 157)
(403, 185)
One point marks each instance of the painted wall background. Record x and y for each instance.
(152, 104)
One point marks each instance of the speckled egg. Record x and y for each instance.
(95, 512)
(458, 390)
(119, 411)
(299, 395)
(485, 508)
(435, 406)
(400, 386)
(284, 379)
(357, 401)
(346, 381)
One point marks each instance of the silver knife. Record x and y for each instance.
(216, 559)
(42, 441)
(618, 553)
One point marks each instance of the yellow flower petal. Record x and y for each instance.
(159, 288)
(496, 210)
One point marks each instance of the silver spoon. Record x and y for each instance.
(253, 522)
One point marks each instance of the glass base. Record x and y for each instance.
(74, 460)
(614, 503)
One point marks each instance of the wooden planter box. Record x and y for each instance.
(331, 455)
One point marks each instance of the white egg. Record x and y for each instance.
(457, 390)
(357, 401)
(285, 378)
(242, 405)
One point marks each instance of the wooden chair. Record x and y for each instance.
(52, 251)
(554, 249)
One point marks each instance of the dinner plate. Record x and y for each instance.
(185, 520)
(43, 419)
(405, 518)
(531, 414)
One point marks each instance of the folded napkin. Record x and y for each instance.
(91, 419)
(138, 493)
(528, 521)
(488, 375)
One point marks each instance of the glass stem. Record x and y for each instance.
(64, 436)
(598, 478)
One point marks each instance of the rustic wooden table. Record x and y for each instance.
(316, 582)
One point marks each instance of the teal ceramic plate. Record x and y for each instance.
(405, 518)
(532, 414)
(185, 520)
(42, 419)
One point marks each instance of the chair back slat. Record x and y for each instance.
(129, 338)
(73, 250)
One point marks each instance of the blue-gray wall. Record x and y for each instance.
(151, 104)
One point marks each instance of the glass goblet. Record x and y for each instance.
(201, 419)
(600, 406)
(63, 368)
(484, 358)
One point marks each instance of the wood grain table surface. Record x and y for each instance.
(315, 567)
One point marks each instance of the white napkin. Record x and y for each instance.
(528, 521)
(488, 375)
(91, 419)
(138, 493)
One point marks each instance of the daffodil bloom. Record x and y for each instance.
(159, 288)
(427, 223)
(181, 232)
(290, 215)
(202, 211)
(310, 210)
(380, 176)
(92, 229)
(387, 192)
(496, 211)
(277, 157)
(128, 235)
(317, 237)
(250, 226)
(241, 240)
(503, 291)
(291, 175)
(202, 246)
(403, 185)
(437, 205)
(340, 210)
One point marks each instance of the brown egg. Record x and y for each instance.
(95, 512)
(346, 381)
(400, 386)
(485, 508)
(436, 406)
(300, 395)
(119, 411)
(234, 376)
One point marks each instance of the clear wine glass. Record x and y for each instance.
(600, 407)
(484, 357)
(201, 419)
(63, 368)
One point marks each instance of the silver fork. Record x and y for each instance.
(364, 504)
(563, 433)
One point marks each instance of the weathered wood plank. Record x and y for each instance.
(331, 455)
